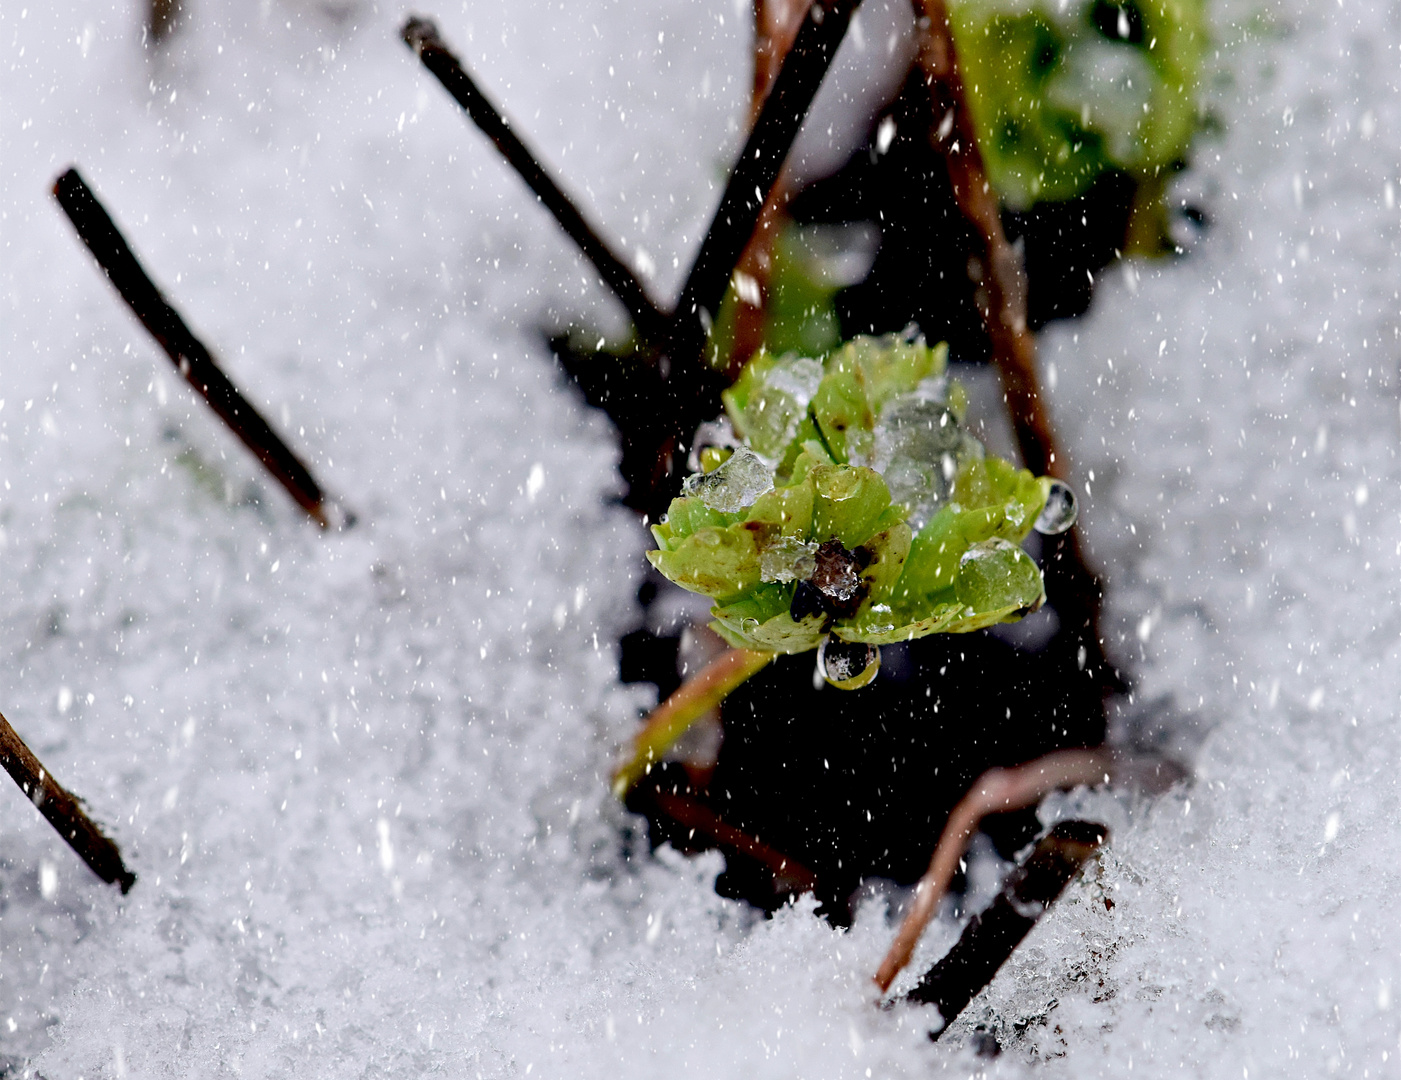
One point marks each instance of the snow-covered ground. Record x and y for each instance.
(362, 776)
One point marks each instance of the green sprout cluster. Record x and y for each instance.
(857, 505)
(1063, 90)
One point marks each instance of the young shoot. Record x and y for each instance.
(857, 511)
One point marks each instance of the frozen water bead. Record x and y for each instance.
(847, 665)
(1060, 510)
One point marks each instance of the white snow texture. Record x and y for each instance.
(362, 776)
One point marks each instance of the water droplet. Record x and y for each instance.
(1059, 512)
(847, 665)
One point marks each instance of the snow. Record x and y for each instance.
(362, 776)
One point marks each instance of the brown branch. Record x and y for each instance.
(62, 810)
(776, 24)
(998, 790)
(1074, 589)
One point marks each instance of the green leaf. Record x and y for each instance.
(776, 634)
(686, 516)
(1059, 95)
(961, 572)
(848, 500)
(712, 561)
(997, 574)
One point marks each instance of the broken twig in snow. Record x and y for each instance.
(99, 232)
(62, 810)
(422, 36)
(989, 938)
(788, 875)
(998, 790)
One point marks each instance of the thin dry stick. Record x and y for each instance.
(99, 232)
(776, 24)
(422, 36)
(996, 791)
(62, 809)
(695, 697)
(756, 171)
(989, 938)
(162, 16)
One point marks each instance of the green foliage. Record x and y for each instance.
(796, 535)
(1061, 92)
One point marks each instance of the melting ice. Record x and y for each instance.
(741, 479)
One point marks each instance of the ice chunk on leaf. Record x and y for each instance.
(736, 484)
(770, 400)
(920, 447)
(788, 559)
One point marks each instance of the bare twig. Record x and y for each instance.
(422, 36)
(695, 697)
(996, 791)
(757, 170)
(63, 810)
(98, 231)
(989, 938)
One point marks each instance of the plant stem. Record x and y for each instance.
(996, 791)
(161, 18)
(422, 36)
(62, 809)
(694, 814)
(988, 940)
(756, 171)
(695, 697)
(1072, 586)
(98, 231)
(1001, 297)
